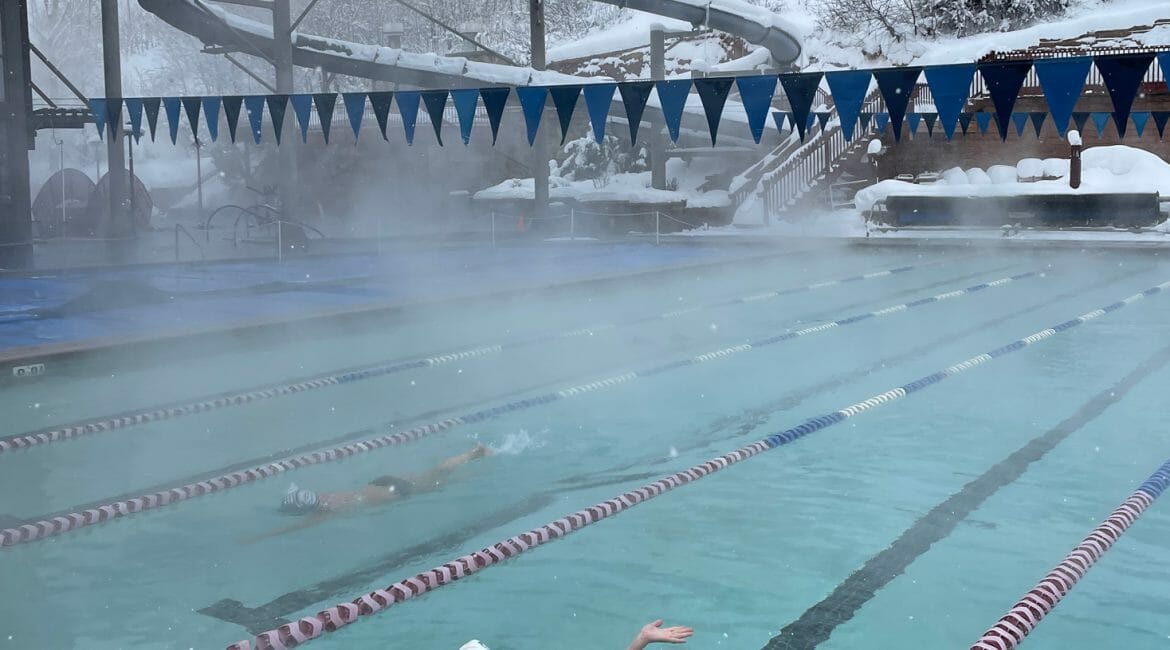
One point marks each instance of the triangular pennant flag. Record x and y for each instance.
(672, 96)
(808, 123)
(912, 120)
(1160, 118)
(1164, 61)
(211, 116)
(494, 100)
(950, 86)
(98, 108)
(114, 115)
(1020, 120)
(1038, 118)
(325, 103)
(1100, 120)
(134, 110)
(779, 117)
(231, 111)
(848, 88)
(822, 118)
(1062, 81)
(173, 107)
(1004, 81)
(983, 120)
(1122, 76)
(435, 102)
(756, 92)
(408, 107)
(1139, 121)
(1079, 119)
(192, 106)
(598, 97)
(355, 110)
(150, 106)
(277, 106)
(896, 85)
(713, 93)
(634, 97)
(465, 100)
(881, 121)
(930, 119)
(254, 106)
(532, 99)
(565, 102)
(801, 90)
(380, 102)
(864, 118)
(965, 121)
(302, 106)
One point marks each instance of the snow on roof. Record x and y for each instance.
(628, 35)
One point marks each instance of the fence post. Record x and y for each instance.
(657, 228)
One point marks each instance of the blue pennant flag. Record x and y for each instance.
(1079, 119)
(565, 102)
(1020, 120)
(277, 106)
(634, 97)
(1123, 75)
(912, 120)
(880, 122)
(1037, 118)
(302, 106)
(1164, 61)
(801, 90)
(355, 109)
(211, 115)
(192, 106)
(848, 88)
(532, 101)
(930, 119)
(779, 117)
(173, 107)
(965, 121)
(598, 97)
(983, 121)
(254, 106)
(435, 102)
(325, 103)
(897, 85)
(672, 96)
(98, 108)
(756, 93)
(713, 93)
(822, 118)
(150, 106)
(950, 85)
(1139, 121)
(1160, 118)
(380, 103)
(1004, 81)
(465, 100)
(864, 119)
(494, 100)
(1100, 119)
(231, 111)
(1062, 81)
(810, 121)
(408, 107)
(134, 110)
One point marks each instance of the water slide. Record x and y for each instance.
(215, 26)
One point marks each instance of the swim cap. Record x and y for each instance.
(473, 644)
(297, 501)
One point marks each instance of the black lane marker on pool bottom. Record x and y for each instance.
(817, 623)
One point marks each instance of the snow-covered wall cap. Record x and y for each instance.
(1074, 138)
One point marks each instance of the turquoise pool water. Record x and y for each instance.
(739, 556)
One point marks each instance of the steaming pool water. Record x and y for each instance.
(765, 545)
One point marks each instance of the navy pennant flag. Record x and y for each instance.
(465, 100)
(114, 114)
(254, 106)
(864, 119)
(325, 103)
(930, 119)
(134, 110)
(881, 121)
(672, 96)
(801, 90)
(1004, 81)
(713, 93)
(408, 108)
(150, 106)
(1123, 75)
(598, 97)
(380, 103)
(1160, 118)
(1037, 118)
(1080, 119)
(277, 105)
(355, 110)
(191, 106)
(896, 86)
(494, 100)
(634, 98)
(965, 122)
(532, 99)
(822, 118)
(211, 116)
(756, 93)
(950, 85)
(1062, 81)
(779, 117)
(565, 102)
(435, 102)
(231, 111)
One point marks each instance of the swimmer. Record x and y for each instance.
(316, 508)
(655, 633)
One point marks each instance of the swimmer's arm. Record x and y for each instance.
(655, 633)
(311, 520)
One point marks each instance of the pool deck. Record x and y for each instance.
(51, 314)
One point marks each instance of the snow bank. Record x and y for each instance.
(632, 188)
(1030, 168)
(1002, 174)
(630, 34)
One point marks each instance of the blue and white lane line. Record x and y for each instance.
(333, 618)
(227, 400)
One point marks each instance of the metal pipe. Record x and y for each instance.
(112, 63)
(657, 143)
(258, 78)
(540, 148)
(458, 33)
(60, 75)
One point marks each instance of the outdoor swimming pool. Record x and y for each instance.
(587, 394)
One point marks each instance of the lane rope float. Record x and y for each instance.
(1039, 602)
(79, 519)
(334, 618)
(227, 400)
